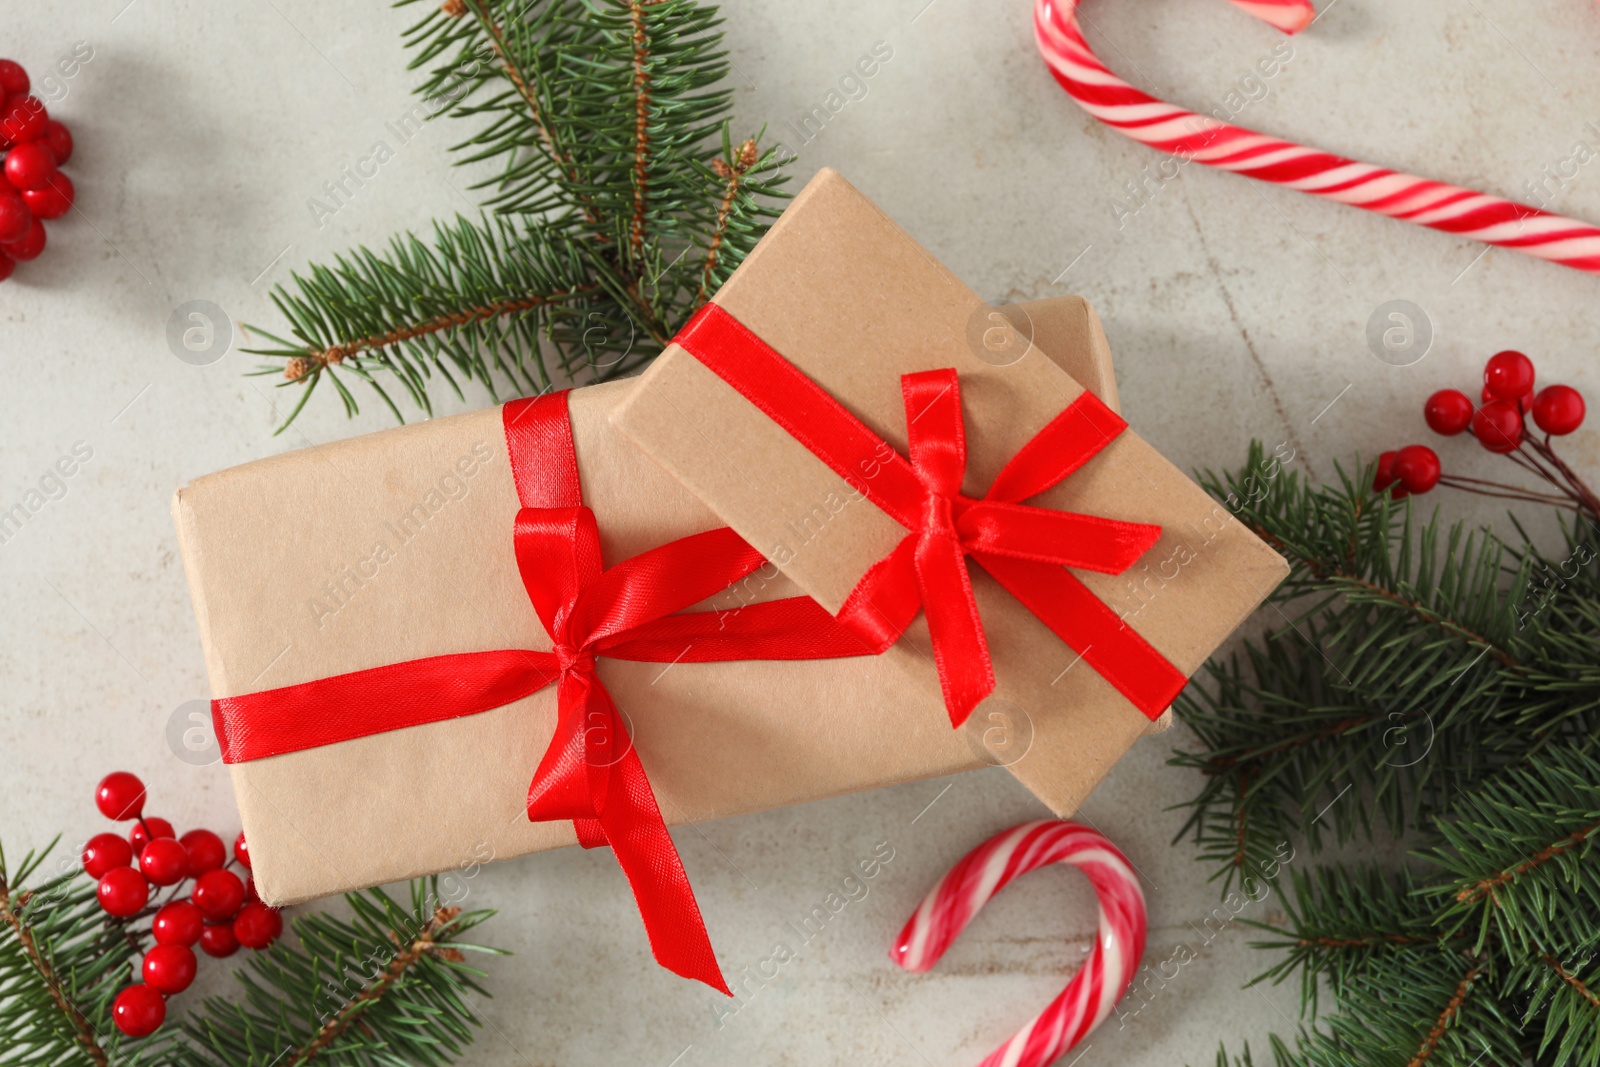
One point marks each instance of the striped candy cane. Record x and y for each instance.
(983, 872)
(1187, 135)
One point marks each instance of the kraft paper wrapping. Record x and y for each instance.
(854, 302)
(397, 545)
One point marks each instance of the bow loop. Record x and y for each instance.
(938, 439)
(660, 581)
(558, 555)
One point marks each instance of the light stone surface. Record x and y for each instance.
(1236, 310)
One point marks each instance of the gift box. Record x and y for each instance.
(397, 546)
(1043, 564)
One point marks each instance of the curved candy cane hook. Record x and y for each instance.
(1187, 135)
(983, 872)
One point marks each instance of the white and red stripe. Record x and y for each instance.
(1185, 134)
(983, 872)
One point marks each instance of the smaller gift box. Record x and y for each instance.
(843, 371)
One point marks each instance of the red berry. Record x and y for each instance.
(1558, 409)
(53, 200)
(139, 1010)
(206, 851)
(13, 79)
(23, 120)
(218, 941)
(1508, 375)
(120, 796)
(218, 894)
(138, 837)
(164, 861)
(250, 893)
(29, 245)
(177, 923)
(15, 218)
(1448, 412)
(1498, 426)
(123, 891)
(241, 851)
(1524, 402)
(58, 139)
(257, 925)
(104, 852)
(1384, 477)
(169, 968)
(30, 166)
(1417, 467)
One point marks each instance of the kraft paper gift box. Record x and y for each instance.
(397, 545)
(852, 302)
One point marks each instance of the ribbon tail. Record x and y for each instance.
(960, 651)
(638, 836)
(626, 817)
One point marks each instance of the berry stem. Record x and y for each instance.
(1524, 460)
(1579, 488)
(1504, 492)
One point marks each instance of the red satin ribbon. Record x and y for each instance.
(1026, 549)
(591, 773)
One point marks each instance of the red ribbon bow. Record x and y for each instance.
(1026, 549)
(590, 772)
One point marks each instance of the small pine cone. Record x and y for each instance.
(454, 8)
(720, 165)
(747, 156)
(297, 368)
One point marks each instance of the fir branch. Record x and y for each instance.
(14, 907)
(336, 354)
(1518, 853)
(1484, 950)
(1452, 1008)
(1485, 889)
(1421, 959)
(11, 911)
(62, 959)
(604, 118)
(423, 942)
(1573, 981)
(732, 173)
(386, 985)
(473, 306)
(510, 66)
(641, 126)
(1407, 667)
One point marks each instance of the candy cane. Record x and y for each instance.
(1184, 134)
(983, 872)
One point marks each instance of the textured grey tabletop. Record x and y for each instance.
(204, 131)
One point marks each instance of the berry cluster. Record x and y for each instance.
(31, 188)
(1500, 424)
(221, 912)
